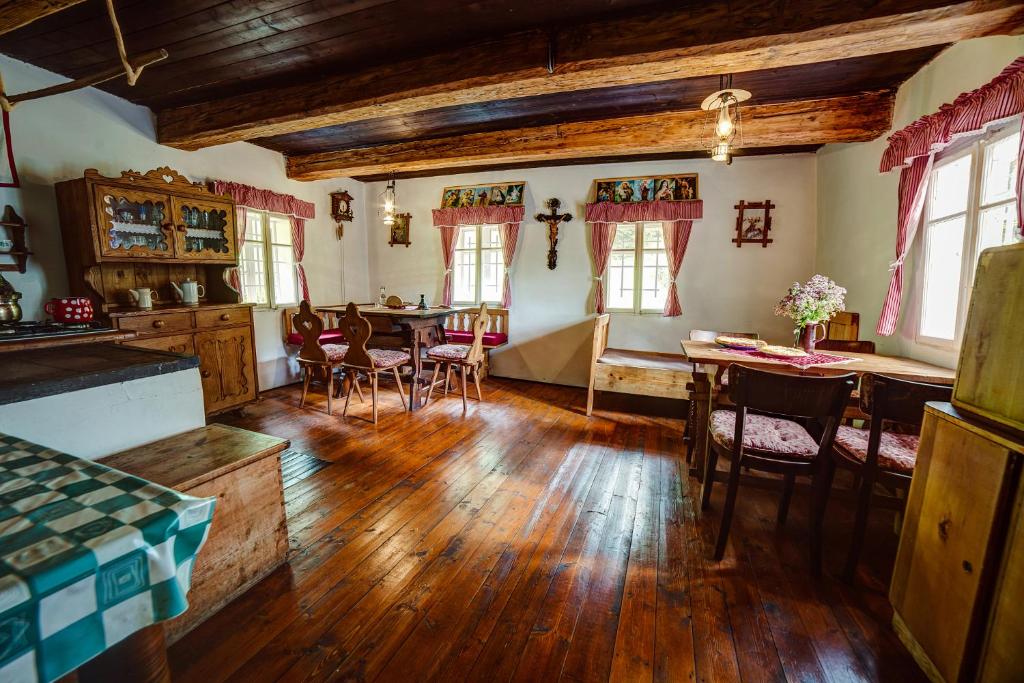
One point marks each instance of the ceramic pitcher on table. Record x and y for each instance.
(189, 292)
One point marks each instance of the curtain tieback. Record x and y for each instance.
(898, 263)
(598, 278)
(447, 271)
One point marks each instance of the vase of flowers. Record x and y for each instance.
(811, 304)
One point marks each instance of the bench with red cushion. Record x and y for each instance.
(491, 339)
(334, 336)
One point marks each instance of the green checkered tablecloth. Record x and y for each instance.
(88, 556)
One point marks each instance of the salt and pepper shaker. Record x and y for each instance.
(423, 302)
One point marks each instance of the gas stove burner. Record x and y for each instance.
(48, 328)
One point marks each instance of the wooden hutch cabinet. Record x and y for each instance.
(149, 230)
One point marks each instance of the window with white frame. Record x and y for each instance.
(478, 268)
(970, 206)
(267, 262)
(637, 278)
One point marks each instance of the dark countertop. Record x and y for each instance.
(35, 373)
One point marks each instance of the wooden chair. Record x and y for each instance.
(643, 373)
(877, 455)
(773, 443)
(358, 358)
(293, 337)
(318, 360)
(467, 358)
(844, 326)
(848, 345)
(458, 328)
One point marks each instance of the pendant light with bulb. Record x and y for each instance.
(389, 202)
(722, 129)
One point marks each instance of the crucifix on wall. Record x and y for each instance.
(553, 219)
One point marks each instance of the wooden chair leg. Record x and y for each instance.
(359, 389)
(476, 380)
(433, 381)
(711, 464)
(688, 435)
(821, 487)
(462, 380)
(590, 398)
(730, 505)
(447, 377)
(401, 389)
(330, 390)
(373, 394)
(860, 524)
(348, 394)
(787, 495)
(307, 376)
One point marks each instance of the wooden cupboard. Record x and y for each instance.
(956, 587)
(151, 230)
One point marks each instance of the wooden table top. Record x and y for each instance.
(407, 312)
(710, 353)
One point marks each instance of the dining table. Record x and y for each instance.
(710, 361)
(407, 327)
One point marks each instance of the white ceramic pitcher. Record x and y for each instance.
(189, 292)
(143, 297)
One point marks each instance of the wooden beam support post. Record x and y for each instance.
(840, 119)
(642, 49)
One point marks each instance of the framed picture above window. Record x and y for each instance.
(478, 269)
(970, 206)
(637, 279)
(267, 261)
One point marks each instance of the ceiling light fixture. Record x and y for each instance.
(722, 129)
(389, 202)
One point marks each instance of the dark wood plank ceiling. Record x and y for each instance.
(813, 81)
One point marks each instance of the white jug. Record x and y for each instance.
(143, 297)
(189, 292)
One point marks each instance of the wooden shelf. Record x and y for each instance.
(16, 226)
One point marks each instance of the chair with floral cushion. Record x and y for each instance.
(886, 453)
(770, 441)
(467, 357)
(318, 360)
(372, 362)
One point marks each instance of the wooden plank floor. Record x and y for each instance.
(523, 541)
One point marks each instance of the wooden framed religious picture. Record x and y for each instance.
(497, 194)
(679, 187)
(753, 223)
(400, 230)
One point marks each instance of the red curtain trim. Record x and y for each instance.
(609, 212)
(971, 112)
(265, 200)
(477, 215)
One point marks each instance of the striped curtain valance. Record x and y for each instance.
(633, 212)
(477, 215)
(1000, 99)
(265, 200)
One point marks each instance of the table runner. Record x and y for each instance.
(807, 361)
(88, 556)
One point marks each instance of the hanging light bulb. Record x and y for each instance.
(722, 128)
(389, 202)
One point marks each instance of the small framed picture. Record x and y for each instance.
(400, 230)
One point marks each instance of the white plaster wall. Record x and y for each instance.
(99, 421)
(857, 205)
(56, 138)
(721, 287)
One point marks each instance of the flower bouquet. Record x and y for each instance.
(810, 305)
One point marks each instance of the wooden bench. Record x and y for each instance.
(331, 335)
(249, 536)
(643, 373)
(458, 328)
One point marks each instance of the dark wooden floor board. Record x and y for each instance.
(521, 540)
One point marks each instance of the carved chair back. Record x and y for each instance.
(357, 331)
(887, 399)
(819, 398)
(307, 323)
(480, 324)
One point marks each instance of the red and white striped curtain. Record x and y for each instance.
(449, 236)
(509, 240)
(241, 223)
(912, 148)
(677, 236)
(602, 236)
(298, 250)
(912, 191)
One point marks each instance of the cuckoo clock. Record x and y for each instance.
(341, 209)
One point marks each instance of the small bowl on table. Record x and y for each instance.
(739, 343)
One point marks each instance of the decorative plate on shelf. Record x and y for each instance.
(739, 343)
(783, 352)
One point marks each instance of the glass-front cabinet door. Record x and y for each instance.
(134, 223)
(203, 230)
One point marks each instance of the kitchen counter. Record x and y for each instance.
(45, 342)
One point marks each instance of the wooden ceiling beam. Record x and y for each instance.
(17, 13)
(810, 122)
(642, 49)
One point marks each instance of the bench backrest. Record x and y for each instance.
(463, 320)
(326, 318)
(600, 336)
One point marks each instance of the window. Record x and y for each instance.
(970, 207)
(629, 287)
(478, 268)
(267, 262)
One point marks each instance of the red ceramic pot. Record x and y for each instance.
(72, 309)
